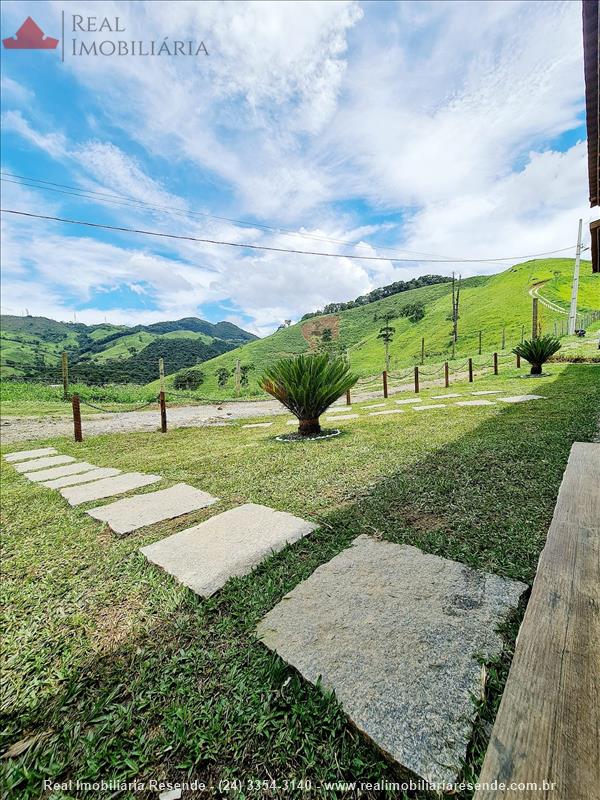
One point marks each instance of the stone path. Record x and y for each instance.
(408, 401)
(42, 463)
(445, 396)
(82, 477)
(389, 411)
(521, 398)
(59, 472)
(426, 408)
(342, 416)
(131, 513)
(396, 632)
(376, 405)
(475, 403)
(493, 391)
(23, 455)
(75, 495)
(230, 544)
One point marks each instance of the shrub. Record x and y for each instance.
(537, 351)
(189, 379)
(307, 385)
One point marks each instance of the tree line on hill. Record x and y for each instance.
(380, 294)
(139, 368)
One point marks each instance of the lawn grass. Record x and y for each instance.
(129, 675)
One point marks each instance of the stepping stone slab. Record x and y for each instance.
(492, 391)
(426, 408)
(23, 455)
(43, 463)
(60, 472)
(131, 513)
(408, 402)
(342, 416)
(445, 396)
(106, 487)
(82, 477)
(475, 403)
(389, 411)
(396, 632)
(230, 544)
(257, 425)
(376, 405)
(521, 398)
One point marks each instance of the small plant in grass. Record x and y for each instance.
(307, 385)
(537, 351)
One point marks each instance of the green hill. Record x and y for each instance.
(497, 305)
(31, 348)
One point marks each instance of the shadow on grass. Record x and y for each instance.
(194, 695)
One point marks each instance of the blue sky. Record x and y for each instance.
(449, 128)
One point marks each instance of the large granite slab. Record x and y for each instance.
(82, 477)
(130, 513)
(107, 487)
(60, 472)
(43, 463)
(396, 632)
(230, 544)
(23, 455)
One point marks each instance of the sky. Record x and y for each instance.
(407, 130)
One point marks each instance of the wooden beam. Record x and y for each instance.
(549, 718)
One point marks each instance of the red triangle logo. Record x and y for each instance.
(30, 37)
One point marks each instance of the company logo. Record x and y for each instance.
(30, 37)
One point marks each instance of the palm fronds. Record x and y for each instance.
(307, 385)
(537, 351)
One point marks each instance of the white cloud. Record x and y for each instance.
(437, 115)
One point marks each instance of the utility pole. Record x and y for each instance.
(238, 377)
(65, 375)
(534, 319)
(573, 309)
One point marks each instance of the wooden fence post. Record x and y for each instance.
(479, 342)
(348, 401)
(422, 350)
(416, 380)
(503, 338)
(385, 388)
(495, 363)
(77, 418)
(470, 370)
(65, 375)
(163, 412)
(446, 375)
(518, 361)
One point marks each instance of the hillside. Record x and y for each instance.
(488, 304)
(31, 347)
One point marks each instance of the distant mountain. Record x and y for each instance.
(31, 348)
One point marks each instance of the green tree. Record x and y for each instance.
(386, 334)
(223, 376)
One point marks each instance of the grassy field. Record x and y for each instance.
(121, 673)
(488, 304)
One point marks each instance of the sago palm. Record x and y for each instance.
(307, 385)
(538, 351)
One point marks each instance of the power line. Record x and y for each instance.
(266, 248)
(119, 199)
(123, 200)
